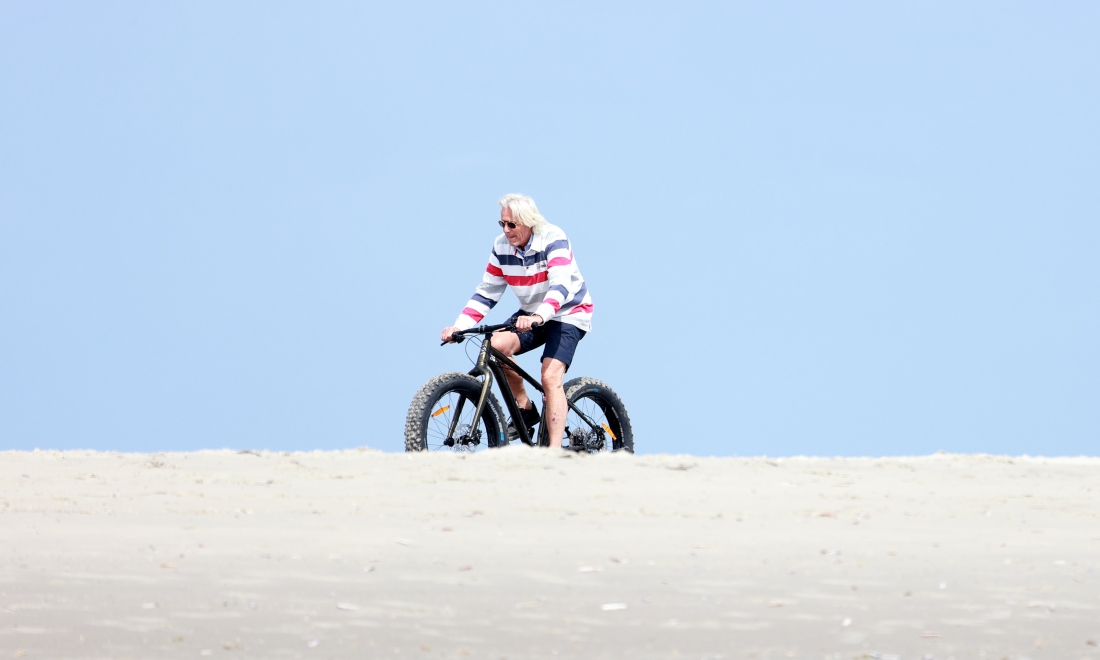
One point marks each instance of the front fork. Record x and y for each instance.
(486, 385)
(450, 441)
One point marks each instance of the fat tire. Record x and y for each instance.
(610, 403)
(416, 422)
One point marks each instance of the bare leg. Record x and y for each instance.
(553, 372)
(508, 343)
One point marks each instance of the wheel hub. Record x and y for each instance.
(466, 439)
(581, 440)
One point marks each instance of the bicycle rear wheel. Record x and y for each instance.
(432, 415)
(602, 405)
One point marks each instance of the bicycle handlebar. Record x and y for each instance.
(458, 335)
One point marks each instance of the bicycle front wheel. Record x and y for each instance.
(441, 416)
(602, 405)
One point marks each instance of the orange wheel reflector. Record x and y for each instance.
(445, 409)
(608, 429)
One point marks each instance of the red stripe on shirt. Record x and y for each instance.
(553, 303)
(493, 270)
(525, 280)
(587, 307)
(560, 261)
(473, 313)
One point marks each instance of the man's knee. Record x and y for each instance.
(505, 342)
(553, 372)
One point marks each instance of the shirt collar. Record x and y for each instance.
(526, 248)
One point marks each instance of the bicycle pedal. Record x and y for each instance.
(513, 434)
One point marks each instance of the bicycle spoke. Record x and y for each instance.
(441, 419)
(579, 431)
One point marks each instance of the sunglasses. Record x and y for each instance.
(511, 225)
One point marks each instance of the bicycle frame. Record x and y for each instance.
(491, 364)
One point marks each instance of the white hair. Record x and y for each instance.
(524, 211)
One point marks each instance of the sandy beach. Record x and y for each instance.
(526, 553)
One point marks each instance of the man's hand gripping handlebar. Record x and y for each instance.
(457, 336)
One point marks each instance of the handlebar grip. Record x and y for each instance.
(456, 338)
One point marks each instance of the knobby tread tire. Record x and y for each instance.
(416, 422)
(612, 405)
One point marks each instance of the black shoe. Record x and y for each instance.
(531, 417)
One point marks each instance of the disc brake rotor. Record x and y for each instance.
(466, 438)
(591, 441)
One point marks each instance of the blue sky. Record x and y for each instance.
(808, 228)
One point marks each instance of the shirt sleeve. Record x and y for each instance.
(486, 295)
(563, 285)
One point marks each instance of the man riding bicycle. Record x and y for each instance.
(535, 259)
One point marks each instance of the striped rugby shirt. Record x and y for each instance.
(543, 275)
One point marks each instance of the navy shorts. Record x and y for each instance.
(560, 339)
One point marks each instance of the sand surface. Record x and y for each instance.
(527, 553)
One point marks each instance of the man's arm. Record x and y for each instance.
(560, 270)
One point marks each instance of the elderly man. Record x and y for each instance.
(534, 258)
